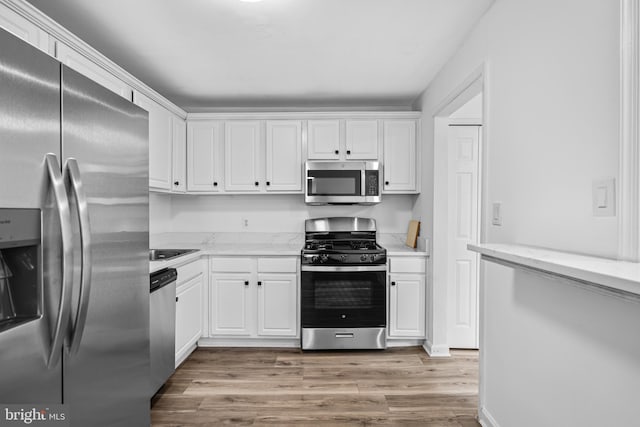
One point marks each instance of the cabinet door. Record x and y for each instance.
(204, 156)
(242, 156)
(179, 169)
(24, 29)
(361, 139)
(283, 156)
(160, 142)
(277, 304)
(231, 304)
(90, 69)
(406, 305)
(400, 156)
(323, 139)
(188, 314)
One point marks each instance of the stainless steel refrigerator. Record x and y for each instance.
(74, 272)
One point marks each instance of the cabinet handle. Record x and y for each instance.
(337, 151)
(215, 184)
(348, 152)
(177, 298)
(246, 283)
(393, 283)
(257, 183)
(268, 183)
(386, 183)
(259, 283)
(176, 183)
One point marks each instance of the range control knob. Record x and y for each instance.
(343, 258)
(314, 259)
(363, 257)
(324, 258)
(372, 257)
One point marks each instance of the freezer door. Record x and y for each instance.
(29, 129)
(107, 379)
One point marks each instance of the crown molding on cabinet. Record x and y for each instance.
(58, 32)
(305, 115)
(629, 179)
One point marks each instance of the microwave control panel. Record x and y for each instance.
(372, 186)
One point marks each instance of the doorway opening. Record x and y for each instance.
(458, 172)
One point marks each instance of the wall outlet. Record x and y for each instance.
(245, 223)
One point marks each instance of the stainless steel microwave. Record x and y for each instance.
(342, 183)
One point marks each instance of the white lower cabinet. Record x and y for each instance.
(231, 304)
(277, 305)
(254, 297)
(189, 309)
(407, 297)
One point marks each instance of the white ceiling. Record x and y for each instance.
(205, 54)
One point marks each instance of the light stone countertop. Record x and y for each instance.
(254, 244)
(611, 274)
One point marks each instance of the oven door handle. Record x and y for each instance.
(344, 268)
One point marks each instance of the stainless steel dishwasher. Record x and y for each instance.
(162, 315)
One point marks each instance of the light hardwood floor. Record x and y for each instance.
(286, 387)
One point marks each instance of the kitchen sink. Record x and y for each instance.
(166, 254)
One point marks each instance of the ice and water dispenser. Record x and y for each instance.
(20, 260)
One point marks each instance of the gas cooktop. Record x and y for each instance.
(342, 241)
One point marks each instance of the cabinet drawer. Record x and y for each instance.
(278, 265)
(407, 265)
(189, 271)
(231, 265)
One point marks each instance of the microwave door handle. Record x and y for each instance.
(86, 265)
(310, 182)
(62, 205)
(362, 183)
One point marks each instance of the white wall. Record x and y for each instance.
(159, 213)
(551, 73)
(556, 354)
(271, 213)
(552, 119)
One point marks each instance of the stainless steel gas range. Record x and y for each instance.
(343, 285)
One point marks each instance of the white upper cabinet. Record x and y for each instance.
(283, 155)
(90, 69)
(204, 156)
(350, 139)
(323, 139)
(179, 170)
(242, 147)
(361, 140)
(24, 29)
(160, 142)
(400, 156)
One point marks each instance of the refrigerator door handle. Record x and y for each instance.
(77, 187)
(64, 214)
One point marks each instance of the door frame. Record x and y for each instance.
(475, 83)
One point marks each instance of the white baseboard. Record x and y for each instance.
(249, 342)
(485, 418)
(404, 342)
(439, 350)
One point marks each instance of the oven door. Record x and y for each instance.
(343, 297)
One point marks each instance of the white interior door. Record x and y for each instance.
(462, 294)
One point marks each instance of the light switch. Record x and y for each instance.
(496, 216)
(604, 199)
(601, 197)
